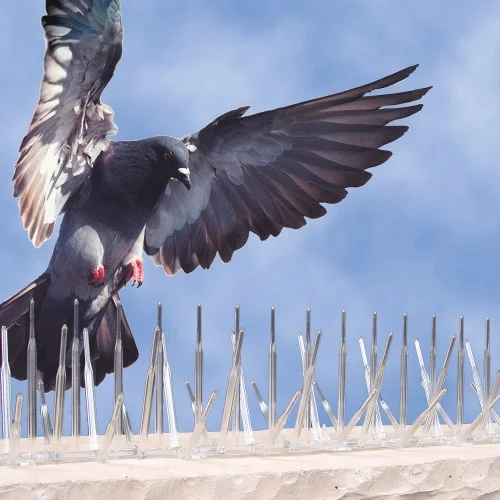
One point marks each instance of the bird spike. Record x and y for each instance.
(159, 315)
(31, 373)
(433, 333)
(405, 329)
(273, 324)
(343, 325)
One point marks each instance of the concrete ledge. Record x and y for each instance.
(442, 472)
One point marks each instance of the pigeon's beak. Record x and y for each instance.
(185, 177)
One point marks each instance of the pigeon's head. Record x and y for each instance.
(173, 155)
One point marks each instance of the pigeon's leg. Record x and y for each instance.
(133, 263)
(135, 272)
(97, 276)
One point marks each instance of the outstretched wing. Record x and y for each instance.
(270, 170)
(70, 125)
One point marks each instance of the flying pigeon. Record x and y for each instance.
(180, 201)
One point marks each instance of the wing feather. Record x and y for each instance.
(263, 172)
(70, 126)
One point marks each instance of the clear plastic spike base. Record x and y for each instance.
(308, 422)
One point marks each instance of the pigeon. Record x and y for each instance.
(181, 201)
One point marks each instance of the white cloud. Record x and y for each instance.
(472, 79)
(211, 67)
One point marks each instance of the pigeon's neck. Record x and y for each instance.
(128, 172)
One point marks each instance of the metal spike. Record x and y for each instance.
(342, 374)
(460, 378)
(236, 405)
(424, 415)
(373, 370)
(487, 367)
(198, 375)
(31, 375)
(307, 359)
(193, 406)
(377, 385)
(304, 406)
(272, 372)
(45, 415)
(59, 391)
(15, 431)
(159, 381)
(111, 429)
(275, 431)
(326, 405)
(191, 395)
(148, 395)
(200, 427)
(6, 390)
(262, 404)
(127, 428)
(169, 396)
(355, 418)
(244, 411)
(231, 389)
(436, 428)
(488, 409)
(75, 374)
(440, 383)
(404, 377)
(90, 391)
(118, 362)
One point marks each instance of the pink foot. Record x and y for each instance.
(96, 277)
(135, 272)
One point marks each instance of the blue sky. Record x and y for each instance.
(422, 236)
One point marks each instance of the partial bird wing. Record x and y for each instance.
(268, 171)
(70, 125)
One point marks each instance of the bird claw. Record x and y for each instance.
(135, 273)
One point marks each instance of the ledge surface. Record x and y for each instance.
(448, 472)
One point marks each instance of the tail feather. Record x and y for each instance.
(14, 314)
(19, 304)
(18, 335)
(105, 341)
(50, 315)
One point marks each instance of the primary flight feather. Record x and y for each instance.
(182, 201)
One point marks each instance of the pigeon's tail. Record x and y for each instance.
(102, 333)
(14, 315)
(102, 348)
(50, 315)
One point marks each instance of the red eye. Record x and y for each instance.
(167, 155)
